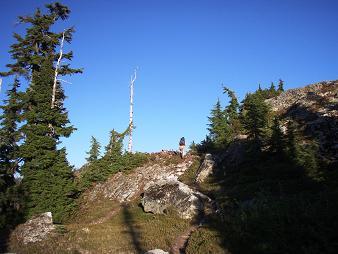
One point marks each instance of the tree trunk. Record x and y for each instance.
(56, 70)
(130, 143)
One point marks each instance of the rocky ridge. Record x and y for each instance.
(315, 107)
(158, 183)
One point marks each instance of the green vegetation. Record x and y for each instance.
(114, 160)
(47, 178)
(281, 199)
(94, 151)
(129, 230)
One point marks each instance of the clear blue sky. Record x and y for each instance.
(184, 50)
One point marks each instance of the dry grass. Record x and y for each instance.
(204, 241)
(129, 231)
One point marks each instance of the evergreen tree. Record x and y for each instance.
(259, 88)
(280, 86)
(218, 126)
(114, 148)
(231, 111)
(47, 176)
(9, 162)
(292, 140)
(272, 90)
(255, 116)
(94, 151)
(277, 143)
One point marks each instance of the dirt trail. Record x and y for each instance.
(181, 242)
(105, 218)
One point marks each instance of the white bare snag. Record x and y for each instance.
(132, 81)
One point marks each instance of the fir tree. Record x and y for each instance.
(280, 86)
(9, 162)
(255, 116)
(114, 148)
(47, 176)
(218, 126)
(277, 143)
(231, 111)
(272, 90)
(94, 151)
(259, 88)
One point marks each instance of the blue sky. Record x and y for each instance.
(184, 51)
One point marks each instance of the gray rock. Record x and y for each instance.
(172, 194)
(206, 168)
(316, 108)
(36, 229)
(126, 187)
(156, 251)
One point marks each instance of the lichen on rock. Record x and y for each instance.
(36, 229)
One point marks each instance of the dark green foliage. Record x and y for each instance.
(255, 118)
(47, 176)
(232, 113)
(115, 145)
(9, 160)
(218, 128)
(113, 161)
(303, 152)
(277, 140)
(276, 206)
(280, 86)
(94, 151)
(268, 93)
(103, 168)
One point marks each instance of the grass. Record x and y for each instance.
(129, 231)
(190, 174)
(270, 206)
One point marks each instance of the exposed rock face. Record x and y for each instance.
(234, 154)
(315, 107)
(36, 229)
(170, 193)
(156, 251)
(126, 187)
(206, 168)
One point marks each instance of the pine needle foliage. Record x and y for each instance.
(47, 175)
(94, 152)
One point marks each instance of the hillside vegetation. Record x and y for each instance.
(264, 180)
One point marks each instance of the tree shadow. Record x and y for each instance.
(271, 204)
(132, 230)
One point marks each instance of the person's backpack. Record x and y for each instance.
(182, 141)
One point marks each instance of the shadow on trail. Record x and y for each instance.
(132, 230)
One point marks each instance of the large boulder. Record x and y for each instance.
(36, 229)
(167, 194)
(156, 251)
(206, 168)
(127, 187)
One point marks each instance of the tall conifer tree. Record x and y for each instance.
(231, 112)
(255, 113)
(9, 161)
(47, 176)
(218, 126)
(94, 151)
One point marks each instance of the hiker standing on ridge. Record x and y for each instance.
(181, 147)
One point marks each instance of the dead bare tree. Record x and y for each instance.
(56, 70)
(132, 81)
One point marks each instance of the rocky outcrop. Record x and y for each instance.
(171, 194)
(125, 187)
(156, 251)
(206, 168)
(34, 230)
(315, 107)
